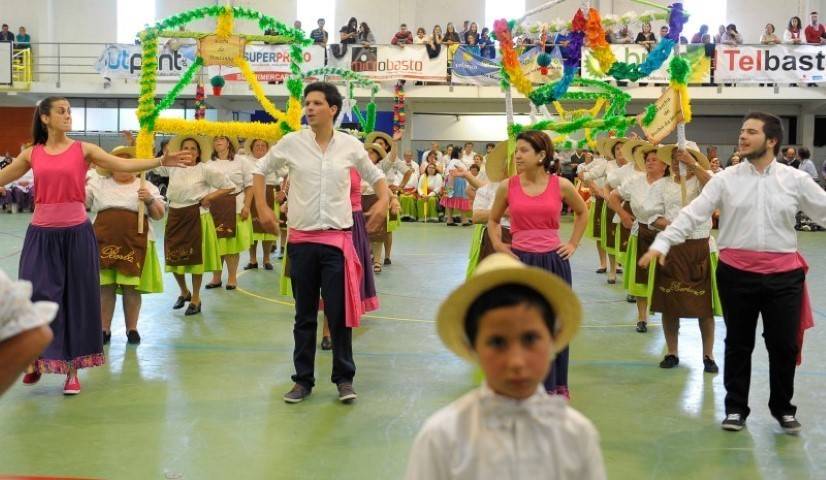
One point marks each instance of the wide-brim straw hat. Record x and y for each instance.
(664, 154)
(497, 270)
(372, 136)
(631, 153)
(376, 148)
(248, 145)
(496, 166)
(121, 151)
(606, 147)
(204, 142)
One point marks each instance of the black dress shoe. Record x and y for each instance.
(387, 261)
(670, 361)
(251, 266)
(133, 337)
(601, 270)
(210, 286)
(181, 302)
(268, 266)
(232, 287)
(642, 327)
(193, 309)
(107, 337)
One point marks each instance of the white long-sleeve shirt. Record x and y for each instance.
(667, 201)
(103, 193)
(595, 171)
(636, 190)
(319, 195)
(413, 181)
(187, 186)
(484, 436)
(808, 166)
(239, 172)
(485, 198)
(434, 184)
(757, 210)
(616, 175)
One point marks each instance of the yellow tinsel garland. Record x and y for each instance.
(685, 100)
(258, 91)
(145, 144)
(266, 131)
(223, 28)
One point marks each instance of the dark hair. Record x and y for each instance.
(772, 127)
(468, 143)
(771, 25)
(331, 94)
(403, 25)
(454, 155)
(540, 142)
(799, 23)
(503, 296)
(163, 145)
(474, 166)
(39, 131)
(6, 25)
(490, 145)
(353, 23)
(732, 26)
(804, 153)
(229, 144)
(435, 170)
(197, 144)
(365, 27)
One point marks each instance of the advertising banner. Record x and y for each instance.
(270, 63)
(123, 60)
(770, 64)
(390, 63)
(469, 67)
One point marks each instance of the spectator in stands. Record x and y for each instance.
(365, 36)
(806, 163)
(731, 36)
(319, 35)
(664, 31)
(467, 154)
(473, 30)
(815, 31)
(465, 29)
(486, 45)
(715, 164)
(23, 40)
(793, 32)
(434, 46)
(769, 37)
(349, 33)
(297, 25)
(698, 37)
(402, 37)
(733, 160)
(789, 156)
(451, 37)
(721, 30)
(488, 148)
(646, 37)
(5, 34)
(620, 37)
(421, 36)
(472, 44)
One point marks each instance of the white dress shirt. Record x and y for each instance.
(483, 436)
(103, 193)
(485, 197)
(667, 201)
(467, 158)
(636, 191)
(319, 195)
(239, 172)
(808, 166)
(187, 186)
(615, 176)
(596, 171)
(757, 210)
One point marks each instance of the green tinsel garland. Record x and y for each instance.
(679, 69)
(650, 115)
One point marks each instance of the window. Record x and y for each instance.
(706, 12)
(499, 9)
(133, 16)
(309, 11)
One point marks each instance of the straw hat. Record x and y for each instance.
(371, 138)
(497, 270)
(123, 152)
(496, 167)
(17, 313)
(376, 148)
(631, 153)
(248, 145)
(203, 141)
(665, 151)
(606, 148)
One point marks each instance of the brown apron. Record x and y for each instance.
(182, 238)
(598, 217)
(682, 288)
(222, 210)
(256, 222)
(367, 202)
(120, 245)
(625, 233)
(486, 249)
(645, 238)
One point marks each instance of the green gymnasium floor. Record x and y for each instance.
(200, 398)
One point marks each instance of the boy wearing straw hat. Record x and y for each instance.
(510, 319)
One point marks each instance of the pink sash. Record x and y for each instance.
(343, 240)
(767, 263)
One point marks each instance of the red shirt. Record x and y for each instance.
(813, 35)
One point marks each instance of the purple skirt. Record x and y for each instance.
(362, 243)
(557, 380)
(62, 264)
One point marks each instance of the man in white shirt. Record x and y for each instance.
(320, 219)
(760, 271)
(468, 154)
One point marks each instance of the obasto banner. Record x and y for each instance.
(388, 62)
(771, 64)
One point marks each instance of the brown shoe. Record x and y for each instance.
(297, 394)
(346, 394)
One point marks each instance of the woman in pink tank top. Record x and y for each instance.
(60, 255)
(534, 200)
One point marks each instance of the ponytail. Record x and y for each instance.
(40, 134)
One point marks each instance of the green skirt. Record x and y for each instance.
(150, 280)
(630, 273)
(241, 241)
(408, 203)
(432, 209)
(267, 237)
(211, 260)
(475, 249)
(393, 225)
(617, 247)
(609, 246)
(589, 229)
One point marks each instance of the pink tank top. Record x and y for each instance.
(535, 220)
(355, 190)
(59, 186)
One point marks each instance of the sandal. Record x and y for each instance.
(232, 287)
(376, 268)
(612, 281)
(268, 266)
(210, 286)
